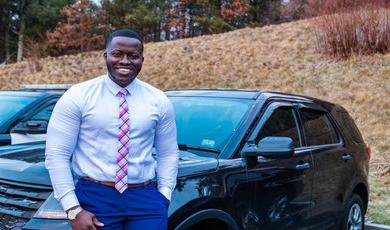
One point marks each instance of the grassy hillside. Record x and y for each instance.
(279, 58)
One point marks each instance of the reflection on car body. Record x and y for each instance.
(248, 160)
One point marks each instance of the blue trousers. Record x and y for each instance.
(137, 208)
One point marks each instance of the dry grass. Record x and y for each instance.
(279, 58)
(379, 204)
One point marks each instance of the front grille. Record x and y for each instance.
(21, 200)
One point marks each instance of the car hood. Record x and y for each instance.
(24, 164)
(192, 164)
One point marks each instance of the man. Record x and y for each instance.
(104, 130)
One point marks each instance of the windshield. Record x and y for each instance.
(207, 122)
(11, 105)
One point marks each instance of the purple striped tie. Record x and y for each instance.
(123, 138)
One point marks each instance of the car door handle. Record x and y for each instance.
(302, 166)
(346, 157)
(33, 124)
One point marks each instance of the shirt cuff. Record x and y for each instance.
(69, 200)
(166, 192)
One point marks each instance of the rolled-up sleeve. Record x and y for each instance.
(62, 135)
(166, 150)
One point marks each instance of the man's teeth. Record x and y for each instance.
(123, 70)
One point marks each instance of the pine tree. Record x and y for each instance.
(144, 16)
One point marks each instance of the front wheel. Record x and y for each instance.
(354, 214)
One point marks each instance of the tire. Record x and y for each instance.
(353, 214)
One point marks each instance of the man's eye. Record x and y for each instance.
(135, 57)
(116, 54)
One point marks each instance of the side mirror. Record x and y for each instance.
(270, 147)
(30, 127)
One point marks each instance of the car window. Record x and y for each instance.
(280, 124)
(44, 114)
(317, 128)
(208, 122)
(351, 128)
(11, 105)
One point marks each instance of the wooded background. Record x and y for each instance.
(39, 28)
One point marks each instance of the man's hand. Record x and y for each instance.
(86, 221)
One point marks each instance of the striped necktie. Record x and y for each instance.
(123, 139)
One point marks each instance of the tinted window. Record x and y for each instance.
(280, 124)
(351, 129)
(11, 105)
(317, 128)
(208, 122)
(44, 114)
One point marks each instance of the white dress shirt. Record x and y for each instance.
(82, 135)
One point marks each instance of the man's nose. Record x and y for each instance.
(125, 59)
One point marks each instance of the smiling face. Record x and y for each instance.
(124, 58)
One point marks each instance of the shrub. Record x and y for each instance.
(346, 27)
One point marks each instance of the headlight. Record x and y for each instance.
(51, 209)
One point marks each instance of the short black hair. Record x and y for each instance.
(124, 33)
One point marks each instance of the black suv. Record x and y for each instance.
(24, 115)
(248, 160)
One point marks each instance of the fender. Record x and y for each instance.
(351, 186)
(208, 214)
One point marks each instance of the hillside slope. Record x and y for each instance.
(280, 58)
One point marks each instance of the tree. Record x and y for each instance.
(143, 16)
(21, 30)
(205, 17)
(26, 19)
(175, 20)
(146, 18)
(43, 15)
(264, 12)
(234, 11)
(8, 29)
(82, 30)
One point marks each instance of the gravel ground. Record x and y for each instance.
(8, 222)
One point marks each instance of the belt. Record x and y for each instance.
(112, 184)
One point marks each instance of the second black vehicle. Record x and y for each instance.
(24, 114)
(248, 160)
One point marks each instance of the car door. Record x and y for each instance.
(326, 146)
(281, 188)
(33, 126)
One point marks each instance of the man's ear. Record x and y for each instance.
(105, 54)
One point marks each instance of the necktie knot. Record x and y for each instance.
(122, 92)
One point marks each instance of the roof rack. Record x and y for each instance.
(55, 87)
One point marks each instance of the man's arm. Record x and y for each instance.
(62, 134)
(166, 150)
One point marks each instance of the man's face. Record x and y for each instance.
(124, 58)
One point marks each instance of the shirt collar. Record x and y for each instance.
(114, 88)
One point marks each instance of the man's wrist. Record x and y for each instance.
(72, 208)
(73, 212)
(69, 200)
(166, 192)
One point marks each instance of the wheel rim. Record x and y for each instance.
(355, 218)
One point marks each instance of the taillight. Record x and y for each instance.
(368, 150)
